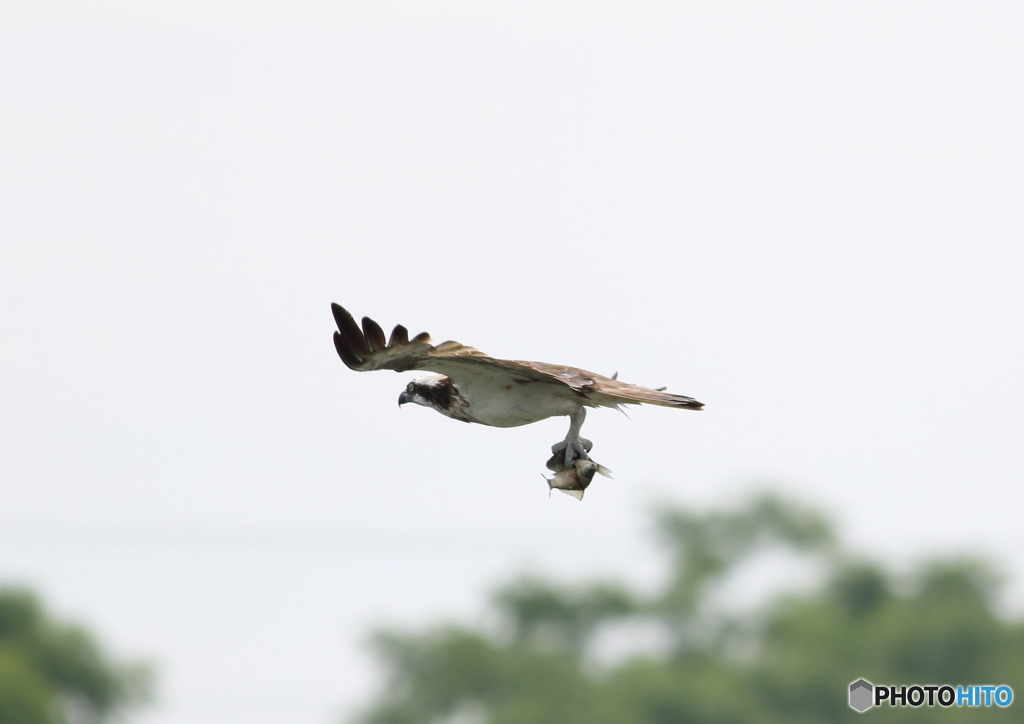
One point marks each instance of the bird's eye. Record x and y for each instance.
(410, 387)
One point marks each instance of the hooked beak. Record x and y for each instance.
(403, 398)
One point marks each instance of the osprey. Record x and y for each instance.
(465, 384)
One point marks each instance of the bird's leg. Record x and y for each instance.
(575, 446)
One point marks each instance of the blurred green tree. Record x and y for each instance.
(52, 673)
(790, 660)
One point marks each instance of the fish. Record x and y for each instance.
(575, 478)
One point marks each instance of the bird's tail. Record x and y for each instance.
(624, 393)
(667, 399)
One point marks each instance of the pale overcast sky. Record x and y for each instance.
(806, 215)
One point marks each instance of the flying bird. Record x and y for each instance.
(465, 384)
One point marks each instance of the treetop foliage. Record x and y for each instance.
(52, 673)
(791, 660)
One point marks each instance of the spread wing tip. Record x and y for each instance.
(345, 351)
(349, 340)
(374, 335)
(365, 347)
(399, 335)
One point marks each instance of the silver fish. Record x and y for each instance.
(573, 479)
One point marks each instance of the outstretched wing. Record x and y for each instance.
(364, 349)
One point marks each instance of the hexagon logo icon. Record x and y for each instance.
(861, 695)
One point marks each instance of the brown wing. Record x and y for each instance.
(364, 349)
(606, 391)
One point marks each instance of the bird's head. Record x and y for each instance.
(429, 390)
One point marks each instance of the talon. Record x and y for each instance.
(575, 447)
(575, 451)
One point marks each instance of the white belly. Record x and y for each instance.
(499, 403)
